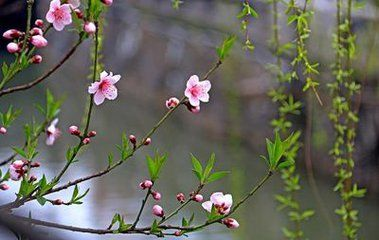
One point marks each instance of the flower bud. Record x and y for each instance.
(4, 186)
(36, 59)
(32, 178)
(195, 109)
(3, 130)
(78, 13)
(57, 202)
(107, 2)
(13, 47)
(198, 198)
(92, 134)
(86, 141)
(35, 165)
(177, 233)
(156, 195)
(230, 223)
(158, 211)
(172, 102)
(39, 23)
(133, 139)
(180, 197)
(147, 141)
(11, 34)
(74, 130)
(146, 184)
(89, 27)
(36, 31)
(38, 41)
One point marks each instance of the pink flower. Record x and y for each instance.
(4, 186)
(52, 132)
(146, 184)
(231, 223)
(17, 170)
(156, 195)
(104, 89)
(36, 31)
(221, 202)
(172, 102)
(197, 91)
(158, 211)
(59, 15)
(36, 59)
(180, 197)
(13, 47)
(11, 34)
(107, 2)
(39, 23)
(74, 130)
(74, 3)
(198, 198)
(89, 27)
(86, 141)
(147, 141)
(133, 139)
(38, 41)
(3, 130)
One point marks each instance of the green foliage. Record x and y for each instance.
(124, 149)
(224, 49)
(206, 175)
(176, 4)
(9, 116)
(75, 198)
(245, 14)
(155, 165)
(122, 226)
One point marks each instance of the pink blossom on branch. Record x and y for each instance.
(16, 170)
(104, 89)
(74, 3)
(158, 211)
(172, 102)
(221, 202)
(13, 47)
(231, 223)
(107, 2)
(89, 27)
(59, 15)
(52, 132)
(197, 91)
(38, 41)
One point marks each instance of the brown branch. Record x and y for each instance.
(44, 76)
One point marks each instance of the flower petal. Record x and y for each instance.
(192, 81)
(204, 97)
(228, 199)
(93, 88)
(194, 101)
(50, 140)
(207, 205)
(55, 4)
(58, 25)
(114, 79)
(217, 198)
(110, 92)
(99, 98)
(50, 17)
(103, 75)
(205, 85)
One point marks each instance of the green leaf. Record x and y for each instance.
(197, 168)
(224, 49)
(217, 175)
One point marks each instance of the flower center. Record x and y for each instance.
(104, 85)
(195, 90)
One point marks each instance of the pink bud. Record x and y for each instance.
(4, 186)
(172, 102)
(146, 184)
(107, 2)
(89, 27)
(35, 165)
(13, 47)
(3, 130)
(36, 31)
(92, 134)
(78, 13)
(74, 130)
(177, 233)
(11, 34)
(36, 59)
(38, 41)
(57, 202)
(32, 178)
(156, 195)
(180, 197)
(195, 109)
(39, 23)
(132, 139)
(86, 141)
(198, 198)
(147, 141)
(230, 223)
(158, 211)
(18, 164)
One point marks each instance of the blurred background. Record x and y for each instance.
(156, 48)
